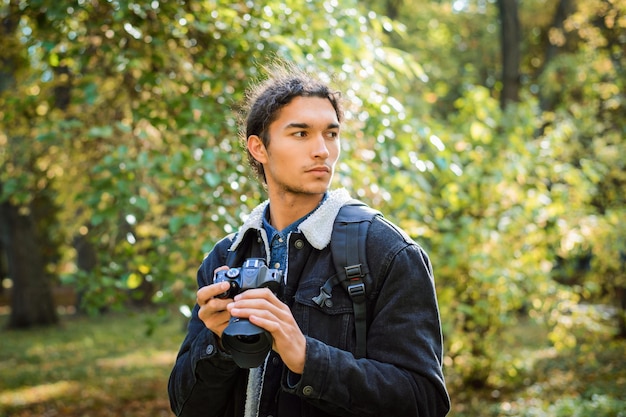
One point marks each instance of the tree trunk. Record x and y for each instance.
(510, 33)
(27, 250)
(86, 260)
(3, 269)
(32, 302)
(621, 311)
(563, 11)
(393, 8)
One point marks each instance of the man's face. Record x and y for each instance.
(303, 147)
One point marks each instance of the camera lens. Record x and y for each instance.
(248, 339)
(247, 343)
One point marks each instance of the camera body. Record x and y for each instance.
(252, 274)
(247, 343)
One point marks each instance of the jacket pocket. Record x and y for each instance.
(330, 321)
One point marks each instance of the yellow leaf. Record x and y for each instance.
(134, 281)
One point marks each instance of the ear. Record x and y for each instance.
(257, 149)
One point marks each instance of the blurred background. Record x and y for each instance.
(492, 131)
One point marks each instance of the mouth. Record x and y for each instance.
(323, 169)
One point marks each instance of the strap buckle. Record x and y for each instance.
(356, 289)
(353, 271)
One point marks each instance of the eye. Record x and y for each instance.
(300, 134)
(332, 134)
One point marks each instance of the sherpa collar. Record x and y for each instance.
(317, 228)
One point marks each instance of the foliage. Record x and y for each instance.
(95, 366)
(505, 201)
(586, 128)
(127, 113)
(145, 153)
(115, 364)
(536, 379)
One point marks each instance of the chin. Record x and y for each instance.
(313, 190)
(321, 189)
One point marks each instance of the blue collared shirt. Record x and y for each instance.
(279, 239)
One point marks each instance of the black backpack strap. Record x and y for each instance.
(235, 258)
(348, 244)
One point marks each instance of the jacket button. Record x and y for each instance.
(299, 244)
(210, 349)
(308, 390)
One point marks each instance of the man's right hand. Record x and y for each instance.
(213, 311)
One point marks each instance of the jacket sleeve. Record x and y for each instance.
(402, 373)
(203, 378)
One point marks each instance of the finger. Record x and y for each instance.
(247, 306)
(260, 300)
(255, 307)
(213, 315)
(243, 311)
(208, 292)
(214, 321)
(264, 293)
(221, 268)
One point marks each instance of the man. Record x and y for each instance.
(292, 138)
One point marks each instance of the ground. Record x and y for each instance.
(118, 364)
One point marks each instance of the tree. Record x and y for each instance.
(129, 113)
(24, 216)
(136, 123)
(510, 42)
(584, 86)
(497, 196)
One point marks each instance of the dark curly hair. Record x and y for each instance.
(265, 100)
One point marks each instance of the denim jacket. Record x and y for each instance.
(401, 374)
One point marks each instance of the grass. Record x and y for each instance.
(536, 379)
(89, 366)
(110, 366)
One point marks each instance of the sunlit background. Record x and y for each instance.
(491, 131)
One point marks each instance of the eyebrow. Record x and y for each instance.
(306, 126)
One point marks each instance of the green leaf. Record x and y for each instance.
(100, 132)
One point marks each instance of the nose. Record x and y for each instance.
(320, 147)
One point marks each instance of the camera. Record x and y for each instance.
(253, 274)
(247, 343)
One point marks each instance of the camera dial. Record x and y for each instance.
(232, 273)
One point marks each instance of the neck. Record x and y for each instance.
(287, 208)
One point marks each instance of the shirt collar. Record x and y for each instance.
(317, 226)
(271, 231)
